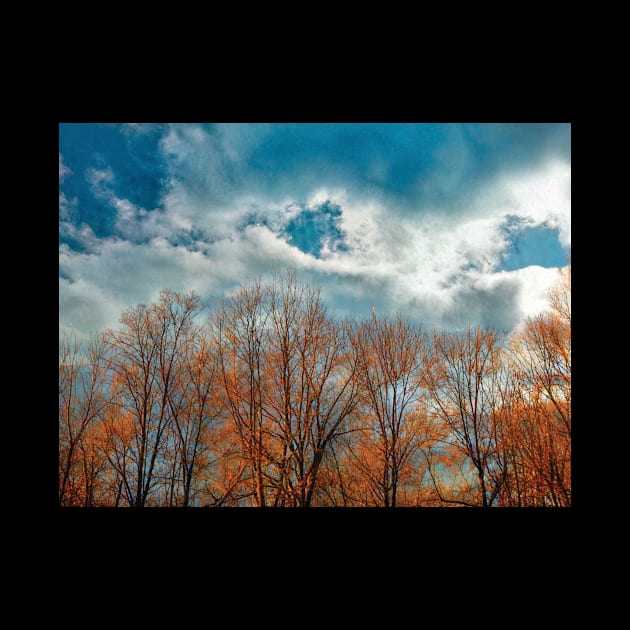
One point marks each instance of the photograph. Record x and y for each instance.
(314, 315)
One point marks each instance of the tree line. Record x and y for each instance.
(267, 400)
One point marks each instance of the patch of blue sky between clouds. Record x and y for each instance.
(316, 229)
(538, 245)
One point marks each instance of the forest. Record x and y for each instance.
(267, 400)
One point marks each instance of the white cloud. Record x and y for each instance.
(434, 264)
(69, 228)
(82, 234)
(541, 196)
(98, 178)
(132, 222)
(96, 286)
(85, 307)
(535, 283)
(67, 207)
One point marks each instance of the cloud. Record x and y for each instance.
(95, 286)
(541, 196)
(347, 206)
(487, 302)
(84, 307)
(67, 208)
(131, 222)
(71, 230)
(440, 271)
(535, 283)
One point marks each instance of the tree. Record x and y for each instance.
(82, 402)
(287, 383)
(312, 387)
(240, 327)
(194, 408)
(146, 354)
(389, 357)
(465, 381)
(274, 402)
(541, 431)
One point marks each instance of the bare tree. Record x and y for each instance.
(389, 356)
(312, 387)
(541, 430)
(273, 402)
(194, 408)
(82, 372)
(146, 351)
(241, 328)
(462, 381)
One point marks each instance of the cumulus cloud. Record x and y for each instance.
(541, 196)
(131, 222)
(71, 229)
(84, 307)
(433, 255)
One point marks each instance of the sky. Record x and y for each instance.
(449, 224)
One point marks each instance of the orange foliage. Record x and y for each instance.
(273, 402)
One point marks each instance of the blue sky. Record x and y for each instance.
(452, 224)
